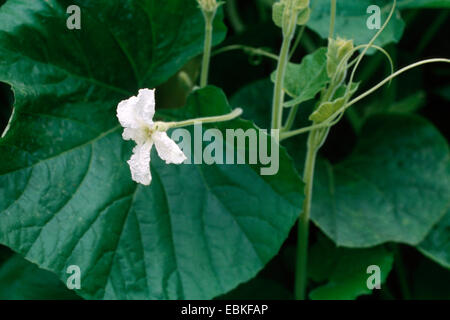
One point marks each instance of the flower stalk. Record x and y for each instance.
(226, 117)
(209, 10)
(287, 14)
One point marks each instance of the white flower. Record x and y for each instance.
(136, 116)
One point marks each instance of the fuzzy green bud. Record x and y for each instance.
(209, 6)
(338, 51)
(287, 14)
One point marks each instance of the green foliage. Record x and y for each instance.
(437, 244)
(22, 280)
(387, 189)
(344, 271)
(217, 231)
(144, 235)
(326, 110)
(303, 81)
(351, 17)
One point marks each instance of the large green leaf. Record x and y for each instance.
(122, 45)
(344, 271)
(66, 195)
(437, 244)
(22, 280)
(394, 187)
(196, 232)
(303, 81)
(351, 19)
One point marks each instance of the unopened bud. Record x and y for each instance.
(286, 10)
(338, 50)
(209, 5)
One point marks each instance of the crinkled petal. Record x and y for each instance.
(140, 163)
(145, 106)
(126, 113)
(167, 149)
(138, 135)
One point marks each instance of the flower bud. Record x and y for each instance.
(338, 50)
(285, 10)
(209, 5)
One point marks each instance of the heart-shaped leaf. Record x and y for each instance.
(185, 236)
(66, 195)
(394, 187)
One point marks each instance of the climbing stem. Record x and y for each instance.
(291, 118)
(332, 18)
(209, 18)
(303, 223)
(233, 15)
(298, 38)
(246, 49)
(278, 95)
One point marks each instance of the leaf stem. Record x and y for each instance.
(209, 18)
(278, 95)
(298, 38)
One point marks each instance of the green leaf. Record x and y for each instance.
(303, 81)
(148, 41)
(344, 271)
(196, 232)
(395, 186)
(436, 245)
(409, 4)
(277, 13)
(386, 190)
(326, 110)
(67, 197)
(22, 280)
(351, 19)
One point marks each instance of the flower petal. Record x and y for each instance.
(138, 135)
(145, 106)
(126, 113)
(167, 149)
(140, 163)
